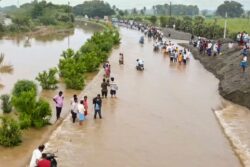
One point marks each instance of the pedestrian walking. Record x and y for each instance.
(58, 99)
(97, 101)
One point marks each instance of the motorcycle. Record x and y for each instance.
(140, 67)
(51, 157)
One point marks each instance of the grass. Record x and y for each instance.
(233, 24)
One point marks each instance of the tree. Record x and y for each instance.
(134, 11)
(204, 12)
(93, 8)
(153, 19)
(232, 8)
(4, 68)
(48, 79)
(10, 133)
(6, 103)
(32, 112)
(163, 21)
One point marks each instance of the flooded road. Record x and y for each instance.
(161, 117)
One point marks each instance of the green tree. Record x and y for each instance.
(48, 79)
(32, 113)
(163, 21)
(153, 19)
(10, 133)
(4, 68)
(6, 103)
(94, 8)
(232, 8)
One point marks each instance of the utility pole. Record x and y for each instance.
(18, 4)
(69, 21)
(170, 10)
(225, 26)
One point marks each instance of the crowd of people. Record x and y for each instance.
(243, 38)
(208, 47)
(79, 107)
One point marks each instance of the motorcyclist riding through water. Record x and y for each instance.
(140, 64)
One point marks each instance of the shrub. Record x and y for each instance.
(6, 103)
(23, 86)
(10, 133)
(41, 114)
(25, 120)
(48, 79)
(25, 102)
(32, 113)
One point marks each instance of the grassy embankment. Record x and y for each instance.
(233, 24)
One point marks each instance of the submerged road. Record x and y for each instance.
(162, 117)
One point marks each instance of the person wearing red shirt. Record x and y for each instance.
(43, 162)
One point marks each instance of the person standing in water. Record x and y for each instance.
(58, 99)
(86, 105)
(97, 101)
(104, 87)
(113, 87)
(121, 58)
(81, 111)
(74, 108)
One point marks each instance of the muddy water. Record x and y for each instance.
(235, 122)
(29, 56)
(161, 117)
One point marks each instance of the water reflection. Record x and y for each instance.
(31, 55)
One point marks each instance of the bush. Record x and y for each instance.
(41, 114)
(24, 86)
(32, 113)
(25, 121)
(72, 66)
(48, 79)
(25, 102)
(10, 133)
(6, 103)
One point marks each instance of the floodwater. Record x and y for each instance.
(161, 117)
(29, 56)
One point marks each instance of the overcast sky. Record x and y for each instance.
(128, 4)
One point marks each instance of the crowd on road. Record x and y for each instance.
(175, 53)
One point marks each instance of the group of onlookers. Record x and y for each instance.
(243, 38)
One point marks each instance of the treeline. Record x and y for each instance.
(196, 26)
(95, 8)
(74, 64)
(31, 15)
(176, 9)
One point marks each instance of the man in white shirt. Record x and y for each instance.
(36, 155)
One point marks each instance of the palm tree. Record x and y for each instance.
(4, 68)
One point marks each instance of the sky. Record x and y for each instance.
(129, 4)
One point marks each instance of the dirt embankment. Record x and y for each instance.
(233, 85)
(174, 34)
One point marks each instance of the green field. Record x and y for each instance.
(233, 24)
